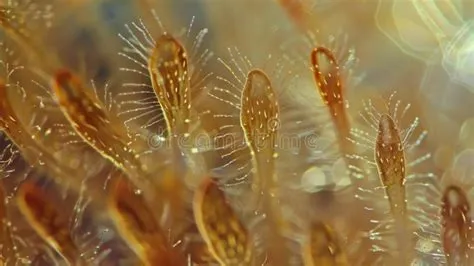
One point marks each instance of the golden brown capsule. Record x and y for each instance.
(137, 223)
(259, 120)
(168, 68)
(331, 87)
(331, 90)
(323, 247)
(456, 226)
(48, 220)
(226, 237)
(390, 161)
(91, 122)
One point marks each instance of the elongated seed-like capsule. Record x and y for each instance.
(260, 121)
(332, 94)
(323, 247)
(168, 68)
(390, 160)
(91, 122)
(259, 118)
(226, 237)
(330, 88)
(137, 224)
(48, 221)
(457, 226)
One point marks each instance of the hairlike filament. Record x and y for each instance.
(259, 120)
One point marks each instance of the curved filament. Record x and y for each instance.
(323, 247)
(456, 223)
(227, 238)
(47, 220)
(91, 122)
(136, 223)
(168, 68)
(390, 160)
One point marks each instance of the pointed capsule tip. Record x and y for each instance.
(387, 131)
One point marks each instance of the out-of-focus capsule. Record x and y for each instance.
(323, 247)
(138, 225)
(48, 221)
(227, 238)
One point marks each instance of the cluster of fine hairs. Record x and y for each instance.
(135, 143)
